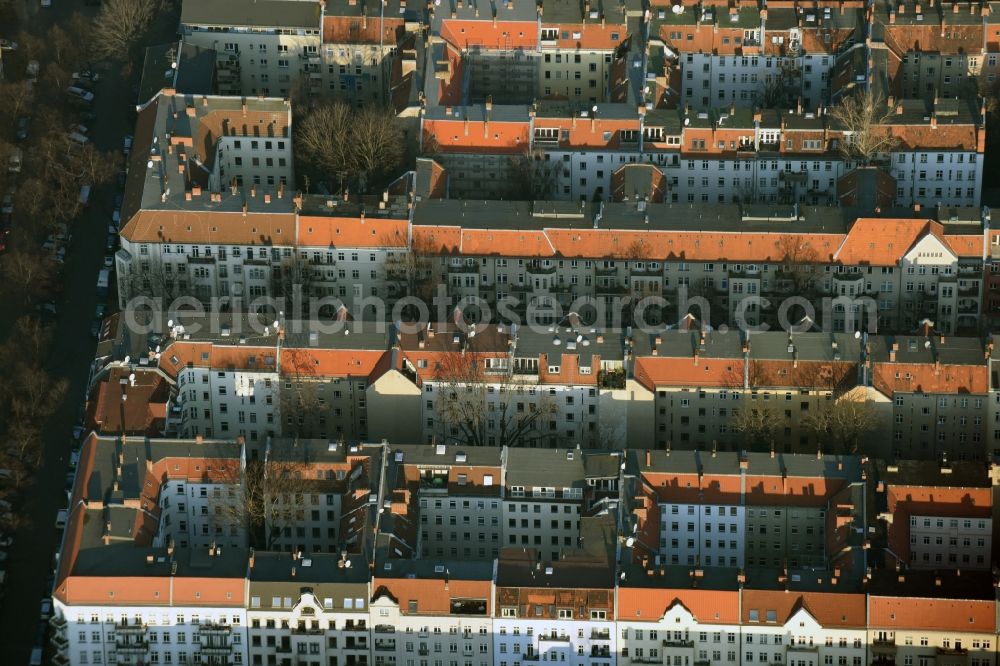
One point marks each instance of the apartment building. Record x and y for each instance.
(562, 610)
(940, 402)
(749, 55)
(129, 401)
(936, 50)
(543, 500)
(152, 566)
(312, 609)
(132, 589)
(806, 628)
(746, 511)
(721, 155)
(427, 610)
(459, 492)
(927, 617)
(188, 152)
(937, 515)
(658, 622)
(326, 509)
(266, 49)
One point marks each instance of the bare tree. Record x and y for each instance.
(29, 270)
(846, 423)
(15, 97)
(410, 270)
(757, 424)
(482, 402)
(863, 118)
(534, 177)
(266, 505)
(377, 142)
(357, 147)
(120, 25)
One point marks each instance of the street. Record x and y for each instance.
(36, 539)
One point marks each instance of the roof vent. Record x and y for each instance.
(439, 449)
(548, 571)
(460, 457)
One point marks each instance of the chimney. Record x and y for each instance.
(191, 111)
(267, 198)
(244, 208)
(196, 190)
(892, 355)
(251, 560)
(916, 208)
(199, 440)
(649, 458)
(892, 17)
(933, 121)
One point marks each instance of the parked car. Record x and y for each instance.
(46, 611)
(76, 137)
(7, 206)
(87, 75)
(22, 129)
(112, 242)
(31, 72)
(14, 161)
(109, 261)
(80, 93)
(8, 45)
(61, 519)
(6, 541)
(74, 459)
(85, 195)
(127, 144)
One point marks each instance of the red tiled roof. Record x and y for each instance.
(707, 606)
(932, 614)
(831, 610)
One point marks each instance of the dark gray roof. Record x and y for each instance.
(259, 13)
(551, 468)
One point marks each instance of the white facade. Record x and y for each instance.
(677, 635)
(89, 635)
(801, 641)
(522, 641)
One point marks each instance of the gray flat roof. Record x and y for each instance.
(259, 13)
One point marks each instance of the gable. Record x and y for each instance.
(928, 251)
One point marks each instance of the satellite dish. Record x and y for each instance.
(927, 344)
(131, 377)
(127, 359)
(594, 108)
(677, 9)
(275, 324)
(630, 542)
(857, 335)
(347, 564)
(170, 323)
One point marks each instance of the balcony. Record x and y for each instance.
(130, 629)
(951, 652)
(603, 270)
(600, 634)
(215, 630)
(384, 646)
(611, 289)
(601, 652)
(132, 647)
(803, 647)
(646, 660)
(303, 630)
(216, 649)
(423, 651)
(884, 645)
(677, 643)
(463, 268)
(530, 657)
(384, 629)
(553, 638)
(536, 268)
